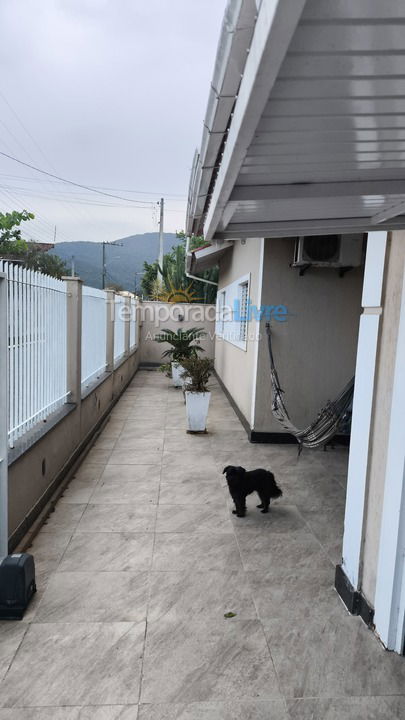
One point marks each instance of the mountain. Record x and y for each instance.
(122, 263)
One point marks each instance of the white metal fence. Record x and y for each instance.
(36, 347)
(38, 312)
(119, 326)
(94, 333)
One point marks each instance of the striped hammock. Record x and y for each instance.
(330, 418)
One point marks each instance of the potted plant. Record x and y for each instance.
(184, 344)
(198, 371)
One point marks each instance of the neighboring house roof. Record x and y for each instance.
(44, 246)
(312, 138)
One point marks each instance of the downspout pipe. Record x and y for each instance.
(194, 277)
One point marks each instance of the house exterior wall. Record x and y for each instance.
(236, 367)
(387, 346)
(315, 348)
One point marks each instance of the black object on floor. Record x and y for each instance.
(17, 585)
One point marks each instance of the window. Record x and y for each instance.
(233, 311)
(243, 310)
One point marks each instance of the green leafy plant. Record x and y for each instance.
(197, 371)
(175, 285)
(10, 224)
(166, 368)
(14, 248)
(181, 342)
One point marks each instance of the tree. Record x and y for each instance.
(45, 263)
(176, 286)
(10, 225)
(13, 247)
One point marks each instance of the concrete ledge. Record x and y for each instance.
(37, 472)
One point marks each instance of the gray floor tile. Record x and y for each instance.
(281, 518)
(88, 473)
(120, 518)
(134, 457)
(199, 594)
(135, 473)
(192, 460)
(192, 661)
(77, 597)
(332, 655)
(64, 519)
(185, 551)
(147, 445)
(236, 710)
(140, 492)
(293, 594)
(98, 455)
(11, 634)
(108, 552)
(196, 472)
(75, 664)
(190, 492)
(193, 518)
(359, 708)
(78, 491)
(280, 551)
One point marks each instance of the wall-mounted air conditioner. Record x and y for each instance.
(332, 251)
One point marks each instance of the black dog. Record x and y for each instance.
(242, 483)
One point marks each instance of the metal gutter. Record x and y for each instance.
(188, 274)
(236, 34)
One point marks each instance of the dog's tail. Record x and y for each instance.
(276, 492)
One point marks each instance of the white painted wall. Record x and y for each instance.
(154, 316)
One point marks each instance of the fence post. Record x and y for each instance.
(3, 417)
(74, 338)
(110, 330)
(127, 325)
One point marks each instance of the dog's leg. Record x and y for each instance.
(240, 505)
(265, 502)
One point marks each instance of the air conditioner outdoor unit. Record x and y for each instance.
(334, 251)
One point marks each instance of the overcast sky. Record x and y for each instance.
(108, 93)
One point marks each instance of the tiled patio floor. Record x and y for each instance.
(141, 560)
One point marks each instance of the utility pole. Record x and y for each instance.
(54, 236)
(104, 266)
(72, 268)
(160, 260)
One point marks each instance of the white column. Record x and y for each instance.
(3, 418)
(74, 338)
(110, 307)
(390, 586)
(127, 324)
(362, 405)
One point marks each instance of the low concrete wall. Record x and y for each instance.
(155, 316)
(38, 467)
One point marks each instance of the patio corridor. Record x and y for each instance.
(145, 533)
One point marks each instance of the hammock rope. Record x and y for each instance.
(329, 419)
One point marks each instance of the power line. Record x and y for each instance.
(68, 198)
(172, 197)
(69, 182)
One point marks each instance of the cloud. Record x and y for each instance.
(114, 93)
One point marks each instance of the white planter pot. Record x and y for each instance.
(197, 410)
(177, 370)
